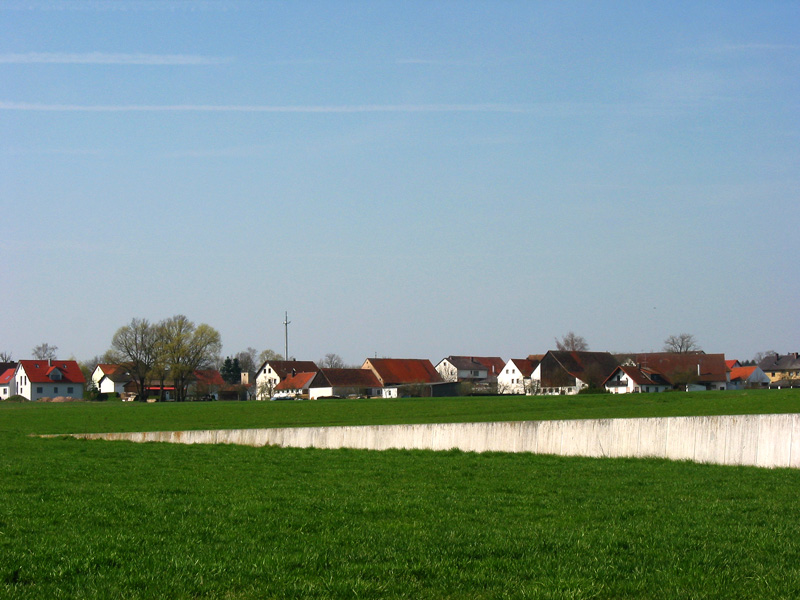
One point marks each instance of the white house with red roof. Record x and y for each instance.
(36, 379)
(635, 379)
(7, 382)
(515, 376)
(110, 379)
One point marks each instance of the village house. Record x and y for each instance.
(294, 386)
(783, 370)
(111, 379)
(478, 373)
(272, 372)
(408, 376)
(341, 383)
(690, 371)
(568, 372)
(7, 380)
(515, 376)
(747, 377)
(36, 379)
(635, 379)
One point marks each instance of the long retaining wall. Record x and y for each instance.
(759, 440)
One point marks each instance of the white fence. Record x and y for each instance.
(760, 440)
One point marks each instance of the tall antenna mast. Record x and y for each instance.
(286, 322)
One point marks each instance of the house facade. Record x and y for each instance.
(635, 379)
(36, 379)
(408, 376)
(515, 376)
(341, 383)
(783, 370)
(479, 373)
(568, 372)
(690, 371)
(272, 372)
(747, 377)
(7, 381)
(111, 379)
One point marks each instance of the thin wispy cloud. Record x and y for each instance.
(321, 109)
(743, 48)
(103, 58)
(127, 5)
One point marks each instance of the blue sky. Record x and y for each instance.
(408, 179)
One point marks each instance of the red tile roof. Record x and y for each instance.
(40, 371)
(401, 371)
(742, 373)
(7, 376)
(706, 368)
(284, 368)
(526, 366)
(361, 378)
(300, 381)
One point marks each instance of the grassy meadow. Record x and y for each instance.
(96, 519)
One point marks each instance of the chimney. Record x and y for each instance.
(294, 371)
(49, 362)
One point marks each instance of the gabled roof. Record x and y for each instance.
(7, 376)
(526, 366)
(116, 373)
(742, 373)
(492, 364)
(401, 371)
(640, 375)
(284, 368)
(558, 366)
(361, 378)
(299, 381)
(41, 371)
(732, 364)
(781, 362)
(704, 368)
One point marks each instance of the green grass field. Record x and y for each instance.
(95, 519)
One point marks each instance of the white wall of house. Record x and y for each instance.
(7, 390)
(266, 380)
(510, 380)
(35, 391)
(447, 370)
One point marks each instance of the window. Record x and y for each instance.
(55, 389)
(39, 390)
(70, 390)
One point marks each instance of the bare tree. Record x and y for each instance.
(681, 343)
(759, 356)
(247, 360)
(572, 342)
(5, 357)
(135, 345)
(268, 354)
(332, 361)
(44, 351)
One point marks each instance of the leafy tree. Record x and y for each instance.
(681, 343)
(136, 345)
(572, 343)
(185, 347)
(45, 351)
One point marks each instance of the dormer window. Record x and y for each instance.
(55, 375)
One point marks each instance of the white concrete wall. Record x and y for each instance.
(759, 440)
